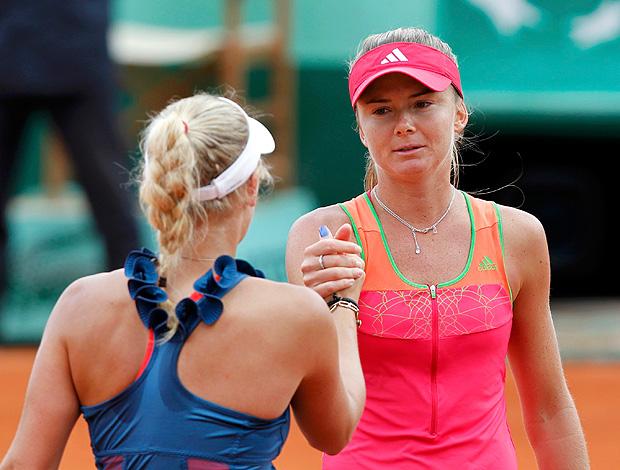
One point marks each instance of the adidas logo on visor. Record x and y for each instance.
(395, 56)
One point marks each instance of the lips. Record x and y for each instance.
(408, 148)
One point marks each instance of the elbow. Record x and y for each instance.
(341, 439)
(332, 431)
(334, 451)
(334, 446)
(333, 442)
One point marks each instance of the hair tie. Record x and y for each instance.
(185, 125)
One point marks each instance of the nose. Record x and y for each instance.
(404, 124)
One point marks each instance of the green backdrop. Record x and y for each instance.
(540, 77)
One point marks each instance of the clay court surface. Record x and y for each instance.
(595, 387)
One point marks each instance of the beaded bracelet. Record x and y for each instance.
(345, 302)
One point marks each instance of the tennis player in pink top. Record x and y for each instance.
(454, 284)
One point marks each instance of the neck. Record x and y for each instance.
(218, 240)
(420, 205)
(422, 230)
(219, 237)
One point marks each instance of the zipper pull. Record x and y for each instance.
(433, 290)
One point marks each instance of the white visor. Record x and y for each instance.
(260, 141)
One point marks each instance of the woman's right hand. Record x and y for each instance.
(333, 264)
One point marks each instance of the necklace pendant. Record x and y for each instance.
(411, 227)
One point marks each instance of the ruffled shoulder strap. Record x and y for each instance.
(210, 288)
(206, 305)
(143, 281)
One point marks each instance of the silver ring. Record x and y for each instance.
(321, 262)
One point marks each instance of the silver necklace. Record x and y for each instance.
(411, 227)
(197, 259)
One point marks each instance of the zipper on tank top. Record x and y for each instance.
(434, 357)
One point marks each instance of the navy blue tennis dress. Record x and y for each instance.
(156, 423)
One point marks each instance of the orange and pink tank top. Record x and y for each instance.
(433, 356)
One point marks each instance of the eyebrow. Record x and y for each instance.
(413, 95)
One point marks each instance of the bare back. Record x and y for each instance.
(251, 360)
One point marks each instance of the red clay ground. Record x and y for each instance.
(595, 387)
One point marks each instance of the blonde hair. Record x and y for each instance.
(185, 146)
(416, 36)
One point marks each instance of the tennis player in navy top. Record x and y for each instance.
(189, 358)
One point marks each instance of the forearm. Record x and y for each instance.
(329, 405)
(558, 441)
(350, 367)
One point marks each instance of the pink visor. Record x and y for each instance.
(427, 65)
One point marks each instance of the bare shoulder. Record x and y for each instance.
(289, 300)
(332, 216)
(295, 312)
(520, 227)
(95, 288)
(90, 300)
(526, 250)
(305, 230)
